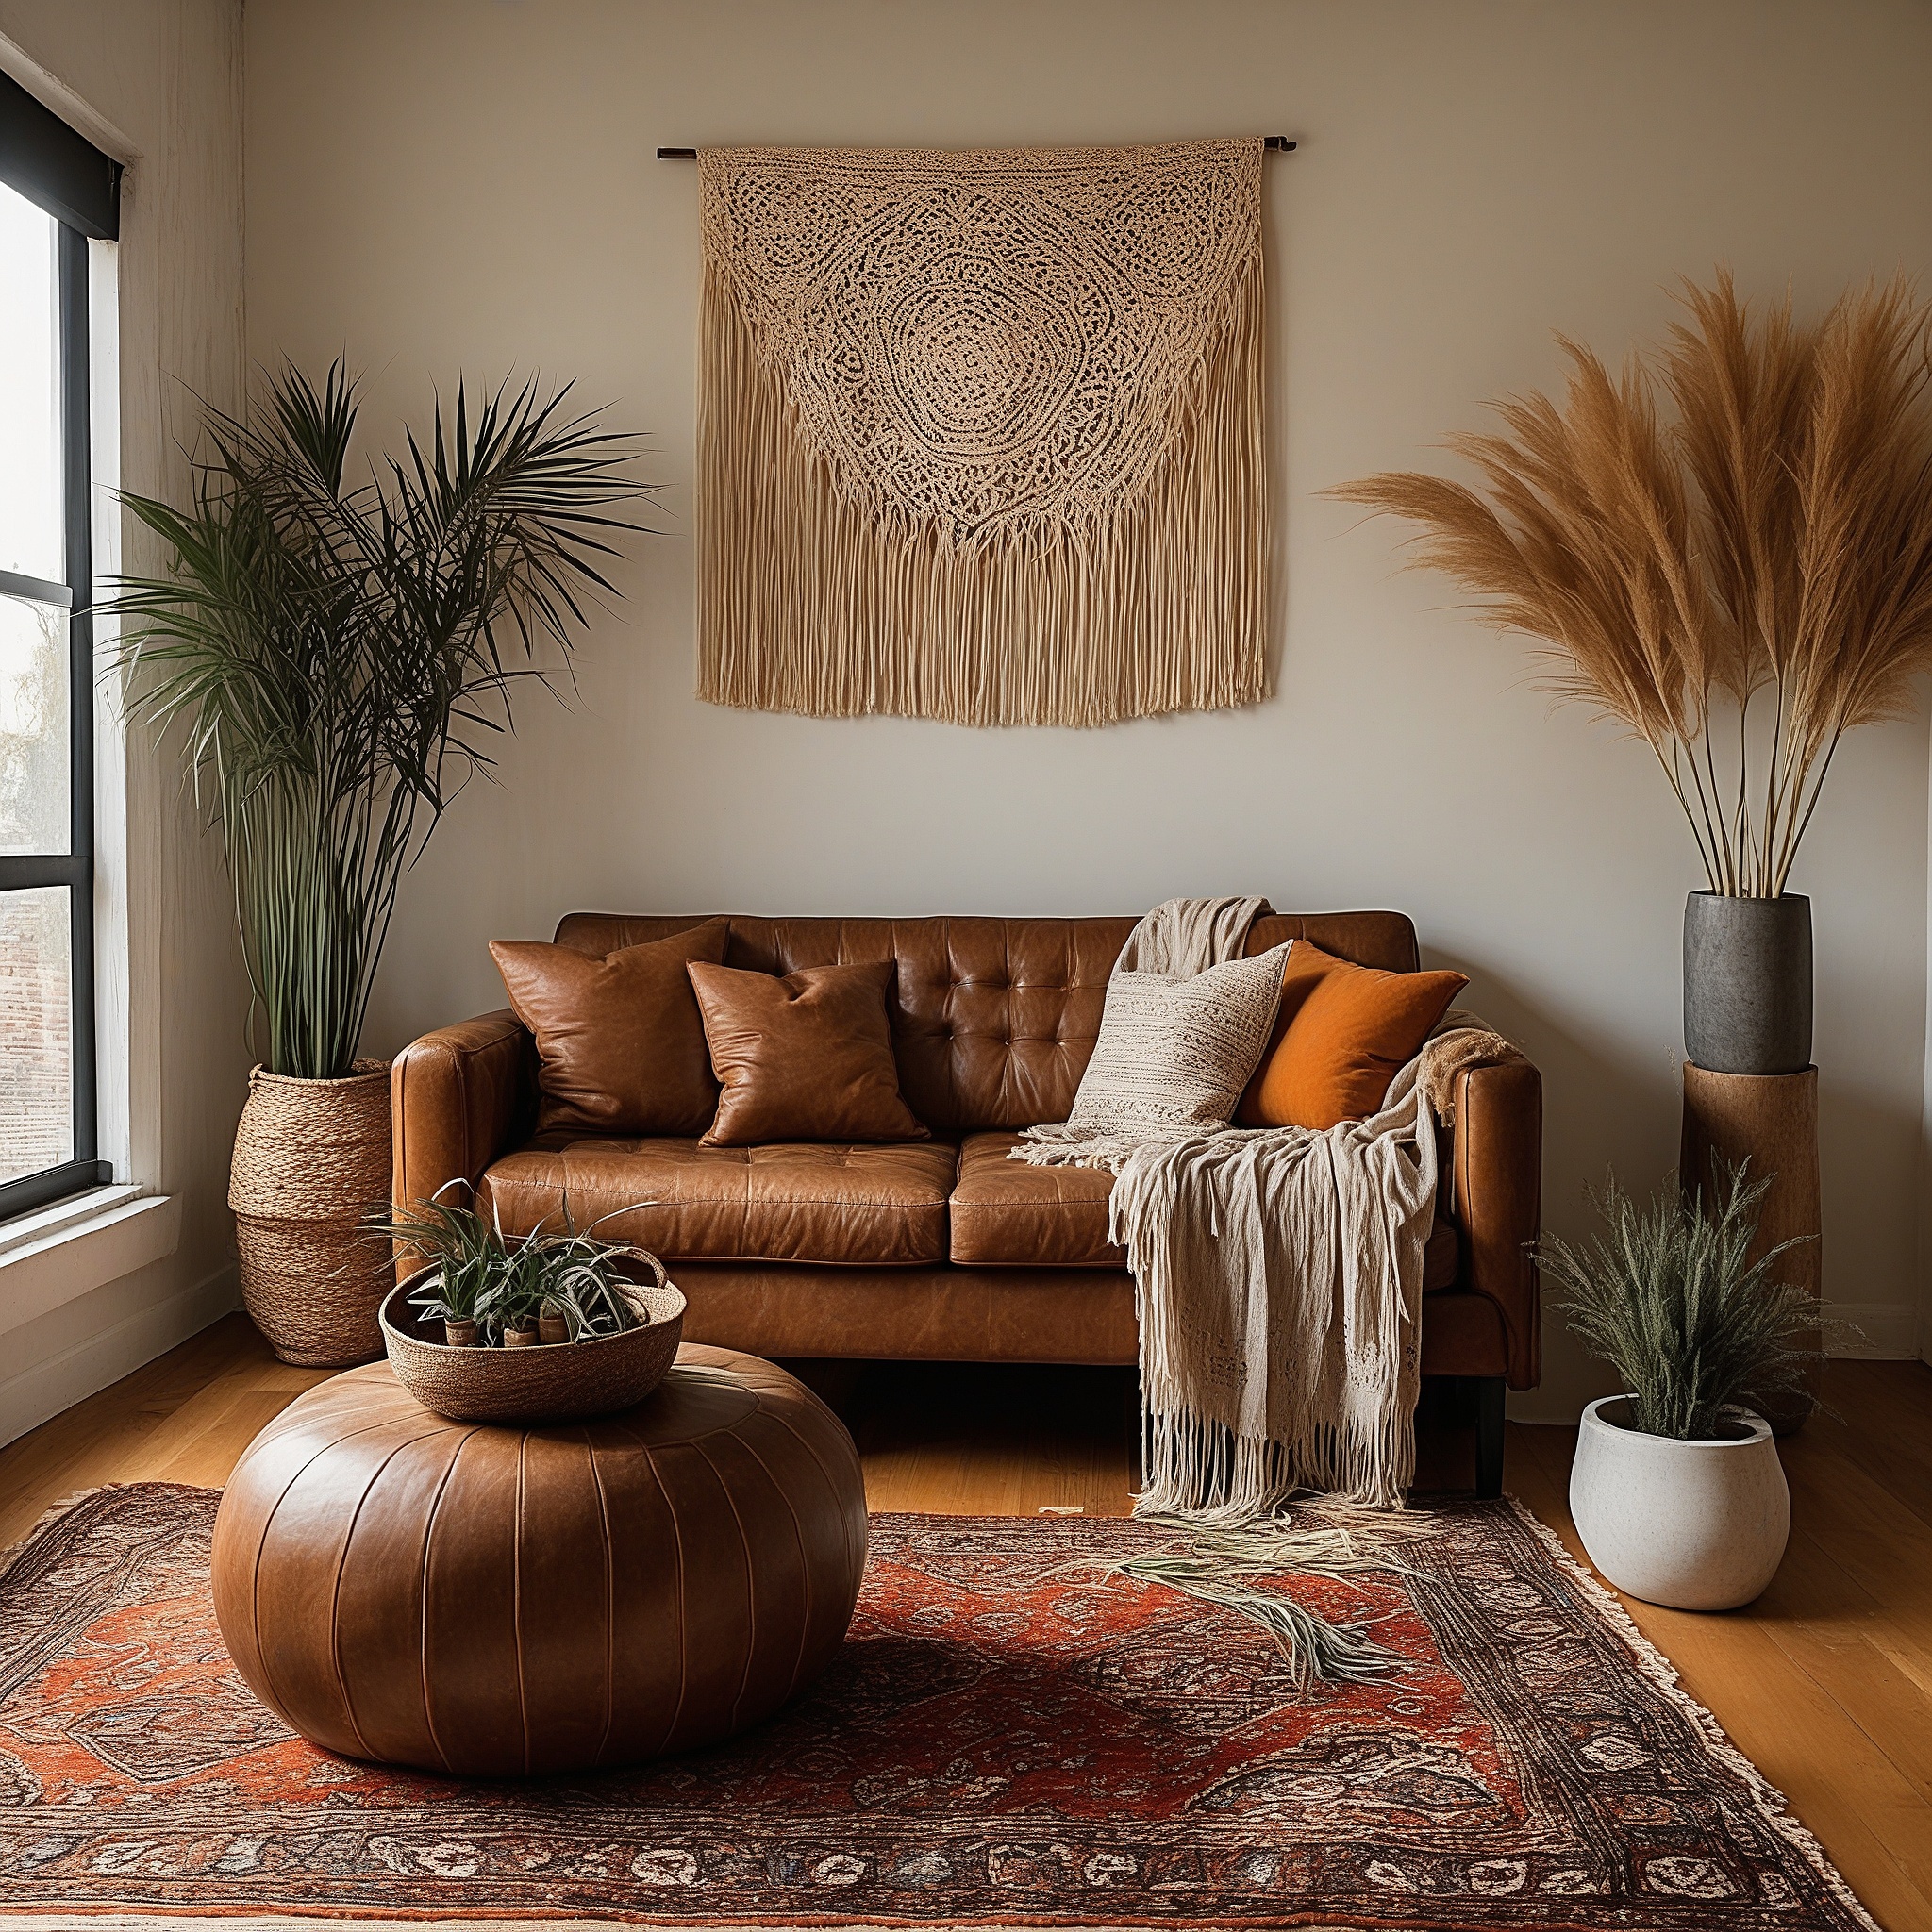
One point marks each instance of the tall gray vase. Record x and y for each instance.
(1747, 983)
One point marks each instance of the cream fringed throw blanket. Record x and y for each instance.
(979, 434)
(1278, 1272)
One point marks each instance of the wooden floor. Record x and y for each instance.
(1825, 1682)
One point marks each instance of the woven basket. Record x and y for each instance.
(564, 1382)
(311, 1161)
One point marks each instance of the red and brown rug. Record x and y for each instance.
(1008, 1741)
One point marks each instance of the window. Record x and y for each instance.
(56, 191)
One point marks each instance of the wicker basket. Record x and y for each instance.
(564, 1382)
(311, 1161)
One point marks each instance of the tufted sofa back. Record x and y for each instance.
(993, 1019)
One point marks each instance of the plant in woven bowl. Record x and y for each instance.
(493, 1291)
(1676, 1489)
(497, 1298)
(336, 655)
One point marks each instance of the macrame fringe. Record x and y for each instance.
(1206, 1472)
(817, 602)
(1062, 1144)
(1233, 1565)
(1460, 1044)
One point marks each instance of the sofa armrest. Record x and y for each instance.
(1497, 1149)
(459, 1097)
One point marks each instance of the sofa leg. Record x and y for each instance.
(1488, 1435)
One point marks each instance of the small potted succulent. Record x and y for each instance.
(493, 1291)
(479, 1296)
(1677, 1489)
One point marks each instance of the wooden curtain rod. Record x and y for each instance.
(1274, 143)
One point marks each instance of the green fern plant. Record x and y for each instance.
(338, 652)
(1667, 1296)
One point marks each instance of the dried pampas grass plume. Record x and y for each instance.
(1736, 524)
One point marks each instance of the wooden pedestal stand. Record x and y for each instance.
(1771, 1120)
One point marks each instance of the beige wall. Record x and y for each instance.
(164, 78)
(468, 185)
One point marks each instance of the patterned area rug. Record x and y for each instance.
(1008, 1741)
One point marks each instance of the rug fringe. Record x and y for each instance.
(1773, 1806)
(72, 1501)
(173, 1921)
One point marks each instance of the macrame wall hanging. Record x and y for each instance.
(980, 434)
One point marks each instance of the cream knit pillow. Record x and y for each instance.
(1173, 1054)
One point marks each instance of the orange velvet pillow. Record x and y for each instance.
(1342, 1033)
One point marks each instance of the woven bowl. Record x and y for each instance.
(564, 1382)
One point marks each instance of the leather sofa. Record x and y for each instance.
(944, 1249)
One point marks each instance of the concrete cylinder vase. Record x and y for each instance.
(1692, 1526)
(1747, 983)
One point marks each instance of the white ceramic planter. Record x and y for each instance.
(1696, 1525)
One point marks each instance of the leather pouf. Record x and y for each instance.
(497, 1601)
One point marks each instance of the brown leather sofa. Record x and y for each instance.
(944, 1249)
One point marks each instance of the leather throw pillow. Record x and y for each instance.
(1173, 1054)
(805, 1058)
(1342, 1033)
(620, 1045)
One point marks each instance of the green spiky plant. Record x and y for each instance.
(337, 653)
(476, 1274)
(1669, 1297)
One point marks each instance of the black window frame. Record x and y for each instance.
(58, 170)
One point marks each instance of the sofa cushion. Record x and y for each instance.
(1009, 1214)
(1173, 1054)
(803, 1056)
(620, 1044)
(993, 1019)
(824, 1202)
(1342, 1034)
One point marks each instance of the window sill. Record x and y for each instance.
(58, 1254)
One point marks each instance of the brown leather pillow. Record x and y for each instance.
(805, 1057)
(620, 1045)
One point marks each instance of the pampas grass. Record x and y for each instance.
(1725, 545)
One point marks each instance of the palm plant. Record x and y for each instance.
(336, 652)
(1727, 547)
(1671, 1300)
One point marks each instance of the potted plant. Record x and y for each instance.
(1676, 1489)
(551, 1325)
(334, 652)
(1728, 548)
(487, 1287)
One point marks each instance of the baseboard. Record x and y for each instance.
(1886, 1332)
(38, 1393)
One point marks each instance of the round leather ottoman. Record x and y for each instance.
(503, 1600)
